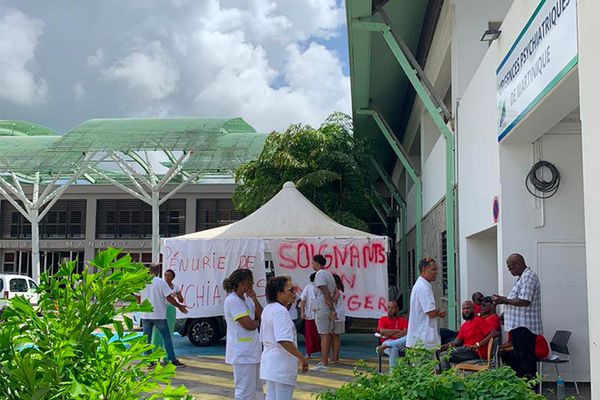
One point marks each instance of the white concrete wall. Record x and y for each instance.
(589, 65)
(477, 166)
(471, 18)
(555, 249)
(433, 175)
(482, 256)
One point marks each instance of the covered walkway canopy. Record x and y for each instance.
(25, 157)
(389, 42)
(192, 146)
(140, 156)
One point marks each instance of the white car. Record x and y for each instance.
(12, 285)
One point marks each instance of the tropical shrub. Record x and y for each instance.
(414, 378)
(328, 165)
(66, 348)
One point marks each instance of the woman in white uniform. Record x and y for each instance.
(243, 349)
(339, 325)
(280, 356)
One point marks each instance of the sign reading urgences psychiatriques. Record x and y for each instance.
(544, 52)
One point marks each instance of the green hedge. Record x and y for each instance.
(414, 378)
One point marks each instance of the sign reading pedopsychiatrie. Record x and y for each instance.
(361, 264)
(544, 52)
(202, 265)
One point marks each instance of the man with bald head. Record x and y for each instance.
(522, 315)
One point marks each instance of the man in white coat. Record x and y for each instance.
(423, 318)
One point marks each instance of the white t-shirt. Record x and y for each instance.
(156, 293)
(276, 363)
(421, 328)
(323, 278)
(242, 346)
(340, 308)
(309, 296)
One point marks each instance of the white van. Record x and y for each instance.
(12, 285)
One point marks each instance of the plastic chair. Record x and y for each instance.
(558, 345)
(482, 365)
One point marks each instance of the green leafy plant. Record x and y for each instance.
(78, 344)
(414, 378)
(328, 165)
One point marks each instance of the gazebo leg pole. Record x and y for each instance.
(155, 226)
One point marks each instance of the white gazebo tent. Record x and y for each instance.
(288, 230)
(288, 215)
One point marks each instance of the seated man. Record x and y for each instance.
(488, 313)
(392, 329)
(473, 337)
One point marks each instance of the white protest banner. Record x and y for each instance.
(202, 265)
(360, 263)
(543, 53)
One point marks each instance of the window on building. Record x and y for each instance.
(65, 220)
(144, 258)
(444, 264)
(211, 213)
(8, 263)
(128, 218)
(51, 260)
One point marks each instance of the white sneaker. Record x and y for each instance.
(319, 367)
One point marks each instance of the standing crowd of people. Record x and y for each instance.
(262, 342)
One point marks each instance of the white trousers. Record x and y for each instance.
(279, 391)
(248, 385)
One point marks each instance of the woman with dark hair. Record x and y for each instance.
(340, 321)
(280, 356)
(168, 277)
(242, 348)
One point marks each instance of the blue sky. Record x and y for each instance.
(272, 62)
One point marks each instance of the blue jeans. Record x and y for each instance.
(395, 345)
(163, 328)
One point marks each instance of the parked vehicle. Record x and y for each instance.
(202, 331)
(12, 285)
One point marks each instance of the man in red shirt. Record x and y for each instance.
(488, 313)
(473, 337)
(392, 329)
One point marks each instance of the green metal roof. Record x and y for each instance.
(23, 128)
(375, 74)
(217, 145)
(150, 134)
(29, 154)
(230, 152)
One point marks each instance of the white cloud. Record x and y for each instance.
(149, 73)
(268, 61)
(97, 59)
(19, 82)
(269, 20)
(79, 93)
(315, 86)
